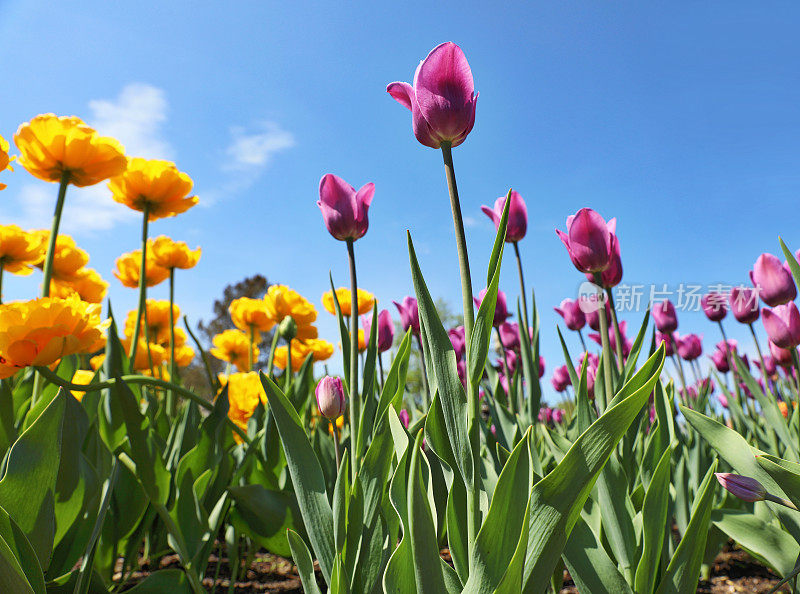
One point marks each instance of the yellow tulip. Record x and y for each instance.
(5, 159)
(173, 254)
(233, 346)
(19, 250)
(157, 185)
(365, 301)
(129, 265)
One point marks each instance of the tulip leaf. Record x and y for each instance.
(394, 384)
(305, 565)
(478, 347)
(633, 356)
(263, 515)
(499, 242)
(791, 261)
(457, 538)
(589, 565)
(12, 576)
(22, 554)
(654, 525)
(307, 476)
(344, 335)
(683, 570)
(557, 499)
(785, 473)
(530, 363)
(165, 580)
(612, 488)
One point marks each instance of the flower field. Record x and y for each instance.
(655, 458)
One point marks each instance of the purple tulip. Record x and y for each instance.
(774, 283)
(723, 400)
(594, 360)
(770, 367)
(743, 487)
(720, 360)
(442, 100)
(715, 306)
(509, 335)
(612, 275)
(385, 329)
(744, 304)
(782, 324)
(665, 317)
(409, 314)
(690, 347)
(459, 341)
(561, 379)
(669, 345)
(558, 416)
(545, 414)
(593, 317)
(782, 357)
(589, 240)
(517, 216)
(511, 361)
(404, 418)
(343, 209)
(330, 397)
(500, 307)
(541, 366)
(572, 313)
(461, 368)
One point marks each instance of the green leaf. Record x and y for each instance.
(12, 578)
(22, 551)
(344, 336)
(589, 565)
(307, 476)
(792, 261)
(654, 525)
(165, 580)
(478, 347)
(305, 565)
(499, 241)
(612, 488)
(394, 384)
(27, 491)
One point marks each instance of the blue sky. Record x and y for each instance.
(680, 119)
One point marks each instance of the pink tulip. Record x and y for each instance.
(545, 414)
(743, 487)
(500, 307)
(517, 216)
(541, 366)
(589, 240)
(509, 335)
(782, 357)
(561, 379)
(690, 347)
(593, 317)
(459, 341)
(409, 314)
(343, 209)
(744, 304)
(715, 306)
(331, 401)
(593, 360)
(665, 317)
(404, 418)
(385, 329)
(723, 401)
(612, 275)
(770, 367)
(720, 360)
(669, 344)
(558, 416)
(774, 283)
(573, 316)
(442, 100)
(782, 324)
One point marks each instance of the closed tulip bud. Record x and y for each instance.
(517, 216)
(500, 307)
(723, 400)
(720, 360)
(404, 418)
(782, 324)
(509, 335)
(330, 397)
(442, 100)
(715, 306)
(541, 366)
(744, 304)
(458, 339)
(743, 487)
(561, 379)
(545, 414)
(558, 415)
(612, 275)
(343, 209)
(385, 330)
(409, 314)
(589, 240)
(773, 281)
(573, 315)
(782, 357)
(665, 317)
(287, 328)
(669, 346)
(690, 347)
(593, 317)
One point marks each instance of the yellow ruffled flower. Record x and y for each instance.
(282, 301)
(147, 355)
(321, 349)
(68, 258)
(173, 254)
(244, 393)
(52, 146)
(251, 314)
(184, 354)
(155, 184)
(365, 301)
(19, 250)
(88, 285)
(299, 353)
(42, 331)
(157, 316)
(233, 346)
(97, 361)
(82, 377)
(129, 265)
(5, 159)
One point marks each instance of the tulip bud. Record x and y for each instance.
(343, 209)
(572, 313)
(509, 335)
(330, 397)
(782, 324)
(459, 341)
(287, 329)
(409, 314)
(593, 317)
(715, 306)
(669, 346)
(743, 487)
(665, 317)
(561, 379)
(517, 216)
(500, 307)
(404, 418)
(589, 240)
(385, 330)
(744, 304)
(690, 347)
(773, 281)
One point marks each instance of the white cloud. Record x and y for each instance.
(135, 118)
(470, 221)
(253, 150)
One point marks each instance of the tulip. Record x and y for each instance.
(517, 216)
(558, 415)
(665, 317)
(500, 307)
(773, 282)
(385, 330)
(593, 317)
(508, 333)
(404, 418)
(723, 400)
(720, 360)
(343, 209)
(330, 397)
(409, 314)
(715, 306)
(782, 357)
(744, 304)
(442, 100)
(782, 324)
(461, 368)
(561, 379)
(612, 275)
(574, 317)
(612, 339)
(593, 360)
(511, 361)
(770, 367)
(545, 414)
(589, 240)
(690, 347)
(743, 487)
(669, 348)
(458, 340)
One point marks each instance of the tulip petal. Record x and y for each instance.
(402, 92)
(491, 214)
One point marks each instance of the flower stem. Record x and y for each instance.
(288, 371)
(252, 356)
(51, 244)
(336, 444)
(583, 342)
(760, 355)
(142, 287)
(796, 361)
(172, 366)
(380, 367)
(522, 285)
(607, 356)
(274, 344)
(355, 403)
(617, 333)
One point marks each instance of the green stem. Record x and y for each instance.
(617, 333)
(380, 367)
(274, 344)
(522, 285)
(212, 381)
(760, 356)
(51, 244)
(253, 347)
(288, 372)
(583, 342)
(796, 361)
(172, 367)
(355, 402)
(607, 356)
(142, 287)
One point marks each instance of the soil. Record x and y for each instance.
(733, 571)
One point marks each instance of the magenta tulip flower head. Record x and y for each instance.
(517, 216)
(541, 366)
(715, 306)
(330, 397)
(743, 487)
(500, 307)
(409, 314)
(782, 357)
(612, 275)
(690, 347)
(509, 335)
(720, 360)
(723, 400)
(593, 317)
(442, 99)
(665, 317)
(558, 415)
(744, 304)
(404, 418)
(669, 347)
(458, 339)
(770, 367)
(589, 240)
(343, 209)
(774, 283)
(782, 324)
(572, 313)
(385, 329)
(561, 379)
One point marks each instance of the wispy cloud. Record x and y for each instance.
(252, 150)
